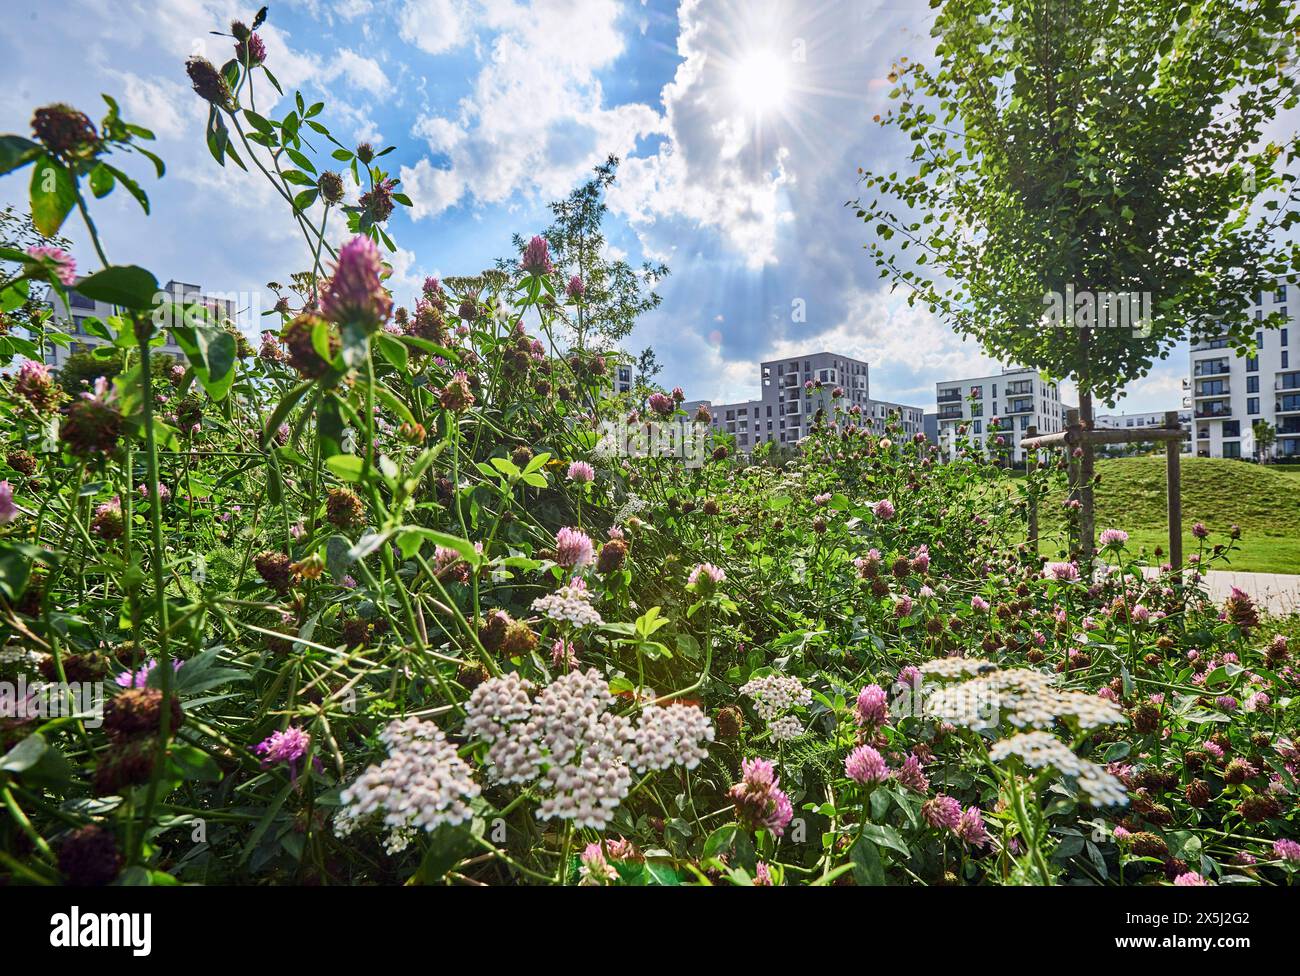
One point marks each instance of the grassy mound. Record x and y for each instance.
(1263, 500)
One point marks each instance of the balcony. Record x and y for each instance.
(950, 413)
(1213, 411)
(1019, 406)
(1287, 380)
(1215, 388)
(1020, 388)
(1288, 404)
(1211, 367)
(949, 396)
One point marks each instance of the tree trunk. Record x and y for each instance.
(1087, 524)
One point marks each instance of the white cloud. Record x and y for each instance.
(435, 26)
(159, 105)
(535, 120)
(721, 167)
(360, 71)
(432, 190)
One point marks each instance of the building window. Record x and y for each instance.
(1232, 428)
(1232, 449)
(1252, 384)
(80, 301)
(1252, 364)
(1252, 406)
(1285, 359)
(1284, 337)
(1280, 294)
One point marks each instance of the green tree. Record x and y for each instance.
(1064, 148)
(615, 294)
(17, 232)
(80, 370)
(1265, 437)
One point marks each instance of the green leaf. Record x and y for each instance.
(392, 350)
(885, 836)
(258, 122)
(368, 543)
(200, 673)
(15, 151)
(127, 286)
(211, 351)
(867, 867)
(190, 762)
(300, 160)
(102, 181)
(37, 763)
(505, 466)
(16, 559)
(346, 467)
(448, 844)
(53, 195)
(393, 403)
(409, 538)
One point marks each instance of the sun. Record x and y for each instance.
(760, 82)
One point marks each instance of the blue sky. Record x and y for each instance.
(741, 124)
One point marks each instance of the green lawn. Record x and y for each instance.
(1263, 500)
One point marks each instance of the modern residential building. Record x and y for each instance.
(912, 419)
(932, 428)
(84, 308)
(1136, 421)
(1018, 397)
(793, 391)
(1229, 393)
(624, 377)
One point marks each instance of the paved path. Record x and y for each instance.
(1278, 592)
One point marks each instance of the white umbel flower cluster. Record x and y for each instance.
(569, 604)
(1040, 750)
(952, 668)
(776, 694)
(421, 785)
(493, 708)
(785, 729)
(580, 753)
(1024, 698)
(672, 736)
(21, 655)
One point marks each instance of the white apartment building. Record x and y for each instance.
(624, 378)
(1229, 393)
(84, 308)
(1019, 398)
(1136, 421)
(912, 419)
(793, 390)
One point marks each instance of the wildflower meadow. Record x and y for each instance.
(373, 597)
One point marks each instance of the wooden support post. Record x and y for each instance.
(1174, 488)
(1071, 462)
(1033, 499)
(1087, 471)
